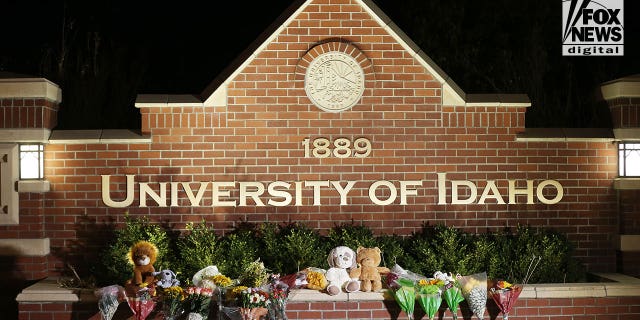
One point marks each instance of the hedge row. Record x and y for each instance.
(288, 248)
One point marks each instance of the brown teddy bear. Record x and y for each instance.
(143, 255)
(368, 270)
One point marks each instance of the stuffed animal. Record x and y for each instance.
(341, 259)
(166, 279)
(368, 270)
(143, 255)
(316, 279)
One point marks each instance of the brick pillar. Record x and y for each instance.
(28, 103)
(28, 113)
(623, 97)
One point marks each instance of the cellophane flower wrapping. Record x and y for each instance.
(198, 302)
(142, 302)
(204, 277)
(109, 298)
(405, 295)
(505, 296)
(403, 285)
(452, 293)
(474, 290)
(254, 303)
(430, 295)
(172, 302)
(278, 297)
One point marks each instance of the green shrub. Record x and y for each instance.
(392, 247)
(198, 248)
(440, 248)
(272, 251)
(481, 254)
(302, 247)
(115, 263)
(555, 252)
(287, 248)
(352, 236)
(239, 249)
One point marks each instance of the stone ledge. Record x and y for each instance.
(626, 183)
(25, 247)
(628, 242)
(48, 290)
(34, 186)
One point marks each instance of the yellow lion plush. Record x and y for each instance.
(143, 255)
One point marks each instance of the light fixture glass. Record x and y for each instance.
(31, 161)
(629, 159)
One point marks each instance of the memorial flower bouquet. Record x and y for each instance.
(109, 299)
(221, 283)
(452, 293)
(204, 277)
(233, 294)
(278, 297)
(172, 302)
(254, 303)
(505, 294)
(430, 296)
(142, 301)
(198, 301)
(405, 295)
(403, 284)
(474, 291)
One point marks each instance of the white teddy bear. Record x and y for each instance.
(341, 259)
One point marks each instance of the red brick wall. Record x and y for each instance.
(529, 309)
(28, 113)
(58, 311)
(258, 136)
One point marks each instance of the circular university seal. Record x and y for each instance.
(334, 81)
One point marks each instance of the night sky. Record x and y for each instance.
(116, 49)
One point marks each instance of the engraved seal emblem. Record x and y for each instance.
(334, 81)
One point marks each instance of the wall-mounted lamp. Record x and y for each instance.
(31, 161)
(629, 159)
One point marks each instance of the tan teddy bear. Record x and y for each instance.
(368, 270)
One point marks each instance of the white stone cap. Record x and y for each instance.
(627, 87)
(167, 100)
(114, 136)
(26, 135)
(497, 100)
(35, 88)
(48, 290)
(627, 134)
(566, 135)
